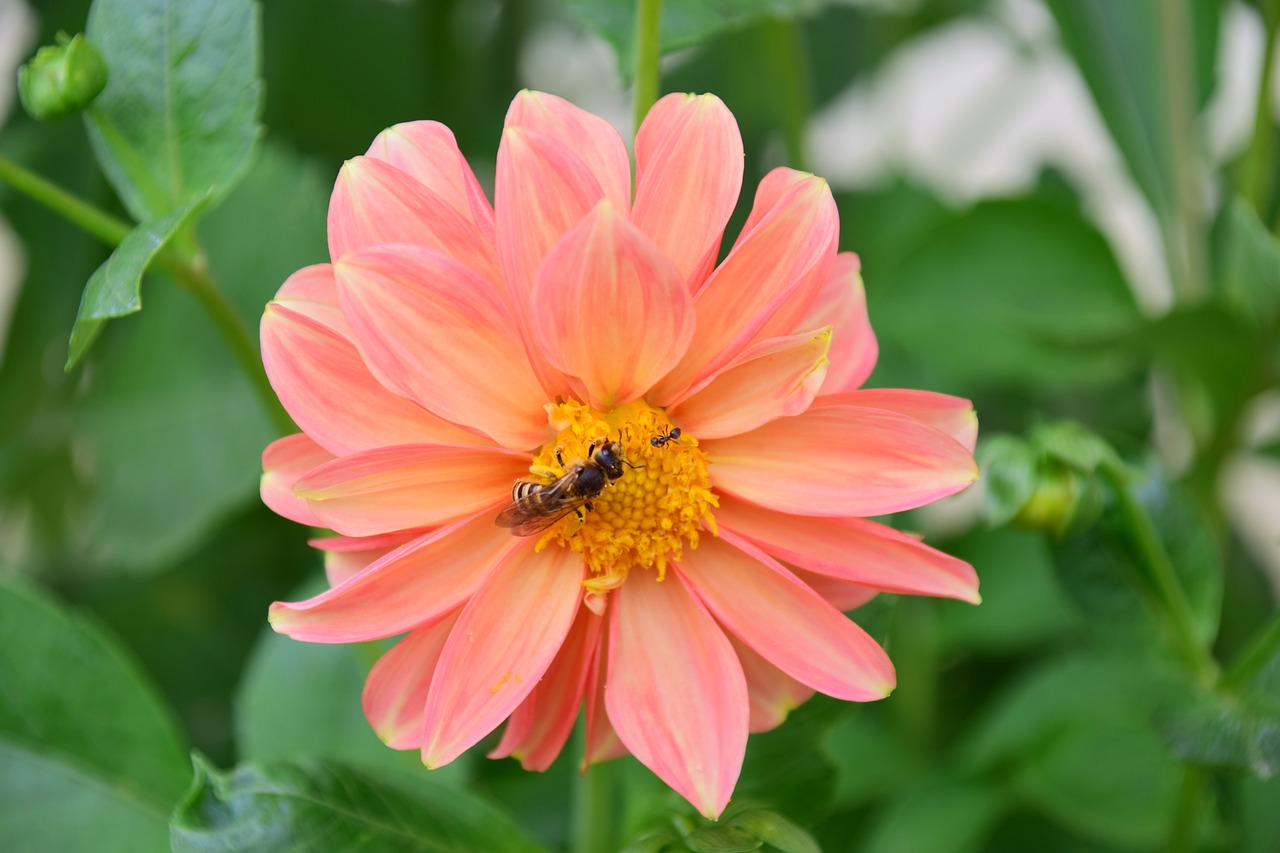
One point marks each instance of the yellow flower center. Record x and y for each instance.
(662, 500)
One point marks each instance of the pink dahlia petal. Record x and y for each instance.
(413, 585)
(688, 175)
(853, 550)
(375, 203)
(284, 462)
(790, 242)
(952, 415)
(676, 693)
(772, 693)
(855, 461)
(503, 643)
(539, 728)
(603, 277)
(840, 595)
(775, 378)
(842, 304)
(395, 693)
(312, 292)
(591, 139)
(431, 331)
(785, 622)
(408, 485)
(347, 556)
(328, 391)
(428, 152)
(602, 742)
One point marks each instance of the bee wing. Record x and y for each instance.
(540, 509)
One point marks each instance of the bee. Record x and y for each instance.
(663, 439)
(536, 506)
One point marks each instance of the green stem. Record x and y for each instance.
(1174, 606)
(1186, 814)
(1258, 655)
(1184, 234)
(191, 276)
(1255, 172)
(592, 828)
(102, 225)
(784, 42)
(648, 53)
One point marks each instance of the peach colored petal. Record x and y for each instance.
(430, 331)
(841, 461)
(347, 556)
(409, 485)
(953, 415)
(312, 292)
(790, 243)
(503, 643)
(676, 694)
(853, 550)
(609, 309)
(413, 585)
(395, 693)
(592, 139)
(842, 304)
(688, 175)
(428, 152)
(375, 203)
(775, 378)
(325, 386)
(840, 595)
(283, 462)
(772, 693)
(786, 622)
(539, 728)
(602, 742)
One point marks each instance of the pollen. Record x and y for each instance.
(645, 518)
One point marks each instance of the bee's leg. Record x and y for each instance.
(546, 472)
(559, 458)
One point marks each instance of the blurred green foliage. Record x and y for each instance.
(1060, 715)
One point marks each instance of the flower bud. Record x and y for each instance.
(61, 79)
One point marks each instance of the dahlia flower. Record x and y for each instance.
(453, 348)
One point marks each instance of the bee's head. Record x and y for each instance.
(609, 457)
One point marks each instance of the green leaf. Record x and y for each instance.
(90, 758)
(324, 806)
(1250, 280)
(1119, 49)
(170, 430)
(787, 768)
(115, 288)
(684, 24)
(179, 116)
(776, 831)
(722, 839)
(1009, 469)
(1242, 733)
(1020, 292)
(943, 818)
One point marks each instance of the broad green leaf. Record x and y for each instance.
(90, 759)
(115, 288)
(787, 768)
(1242, 733)
(1015, 293)
(1120, 49)
(323, 806)
(684, 24)
(722, 839)
(872, 758)
(1009, 469)
(1260, 832)
(942, 818)
(170, 429)
(179, 116)
(775, 830)
(1250, 280)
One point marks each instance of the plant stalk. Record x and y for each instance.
(648, 56)
(592, 815)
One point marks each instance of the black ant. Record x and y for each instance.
(666, 437)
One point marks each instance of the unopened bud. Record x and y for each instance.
(61, 79)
